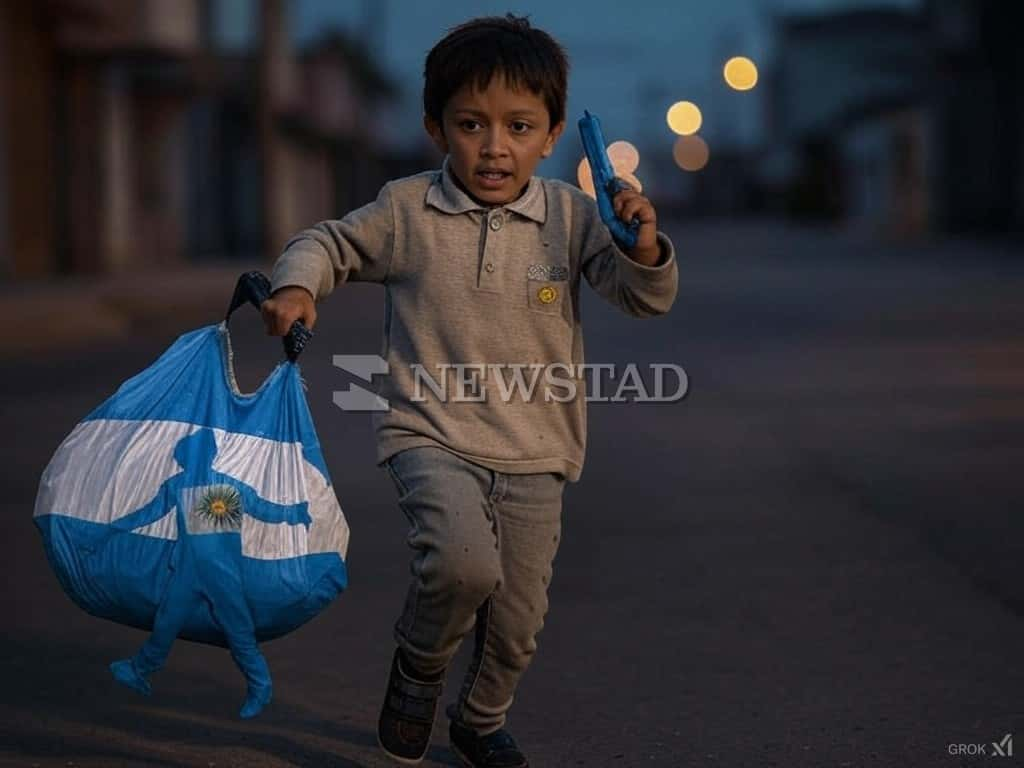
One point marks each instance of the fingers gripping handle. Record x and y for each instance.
(254, 288)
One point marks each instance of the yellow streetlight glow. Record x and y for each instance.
(690, 153)
(740, 73)
(684, 118)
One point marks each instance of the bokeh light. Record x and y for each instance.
(585, 177)
(624, 157)
(690, 153)
(740, 73)
(684, 118)
(633, 181)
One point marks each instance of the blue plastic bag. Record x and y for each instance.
(183, 506)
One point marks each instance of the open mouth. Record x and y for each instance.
(493, 175)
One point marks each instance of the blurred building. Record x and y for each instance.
(143, 132)
(845, 118)
(897, 121)
(724, 186)
(977, 112)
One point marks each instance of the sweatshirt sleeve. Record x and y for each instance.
(357, 247)
(636, 289)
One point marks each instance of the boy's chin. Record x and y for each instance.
(508, 192)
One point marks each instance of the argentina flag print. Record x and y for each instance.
(179, 459)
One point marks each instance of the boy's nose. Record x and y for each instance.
(494, 144)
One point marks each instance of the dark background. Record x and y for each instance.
(813, 559)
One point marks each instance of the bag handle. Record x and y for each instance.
(254, 288)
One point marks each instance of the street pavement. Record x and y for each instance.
(814, 559)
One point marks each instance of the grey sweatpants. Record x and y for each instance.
(484, 543)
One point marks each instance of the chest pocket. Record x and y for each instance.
(546, 286)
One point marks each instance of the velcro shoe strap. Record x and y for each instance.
(409, 687)
(412, 708)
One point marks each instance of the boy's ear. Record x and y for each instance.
(553, 134)
(436, 133)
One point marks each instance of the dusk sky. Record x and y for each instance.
(630, 60)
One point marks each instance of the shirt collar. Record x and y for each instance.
(445, 195)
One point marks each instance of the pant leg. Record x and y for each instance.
(178, 602)
(222, 587)
(456, 564)
(528, 514)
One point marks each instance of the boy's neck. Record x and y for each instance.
(471, 196)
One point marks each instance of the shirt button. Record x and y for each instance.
(496, 223)
(489, 266)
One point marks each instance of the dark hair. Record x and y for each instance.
(478, 49)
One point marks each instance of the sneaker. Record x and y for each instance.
(495, 750)
(407, 717)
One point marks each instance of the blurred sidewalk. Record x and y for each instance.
(59, 314)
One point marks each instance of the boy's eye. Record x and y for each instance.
(469, 125)
(520, 127)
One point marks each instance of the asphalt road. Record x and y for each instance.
(814, 559)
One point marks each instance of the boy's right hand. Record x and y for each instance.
(285, 306)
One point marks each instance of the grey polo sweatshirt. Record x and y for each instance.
(473, 294)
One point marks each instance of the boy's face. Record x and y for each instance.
(495, 138)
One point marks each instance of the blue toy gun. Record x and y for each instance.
(606, 185)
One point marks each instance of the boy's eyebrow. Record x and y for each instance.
(513, 113)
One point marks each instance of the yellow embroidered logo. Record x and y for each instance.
(547, 294)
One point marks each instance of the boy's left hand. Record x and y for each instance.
(628, 203)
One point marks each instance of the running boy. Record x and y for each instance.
(482, 264)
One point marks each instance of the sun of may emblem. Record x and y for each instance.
(547, 294)
(222, 506)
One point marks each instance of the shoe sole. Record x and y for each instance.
(399, 758)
